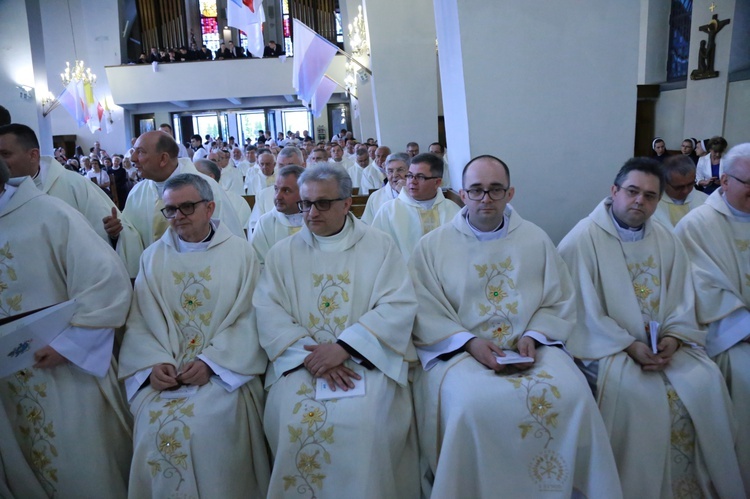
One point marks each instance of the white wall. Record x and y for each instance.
(653, 45)
(551, 89)
(737, 122)
(16, 65)
(670, 118)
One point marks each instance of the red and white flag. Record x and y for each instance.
(248, 16)
(312, 56)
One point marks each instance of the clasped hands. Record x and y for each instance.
(485, 352)
(165, 376)
(326, 361)
(650, 361)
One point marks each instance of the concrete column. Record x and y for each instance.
(548, 87)
(404, 84)
(705, 100)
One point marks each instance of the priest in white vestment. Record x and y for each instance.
(264, 200)
(490, 285)
(680, 195)
(338, 159)
(717, 238)
(191, 360)
(261, 177)
(365, 175)
(231, 178)
(20, 148)
(663, 400)
(239, 205)
(64, 427)
(285, 219)
(419, 208)
(155, 157)
(438, 150)
(328, 315)
(396, 168)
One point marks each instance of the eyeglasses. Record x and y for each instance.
(388, 171)
(495, 193)
(419, 177)
(633, 193)
(320, 204)
(746, 183)
(185, 208)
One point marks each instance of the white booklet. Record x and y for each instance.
(512, 357)
(653, 332)
(21, 338)
(324, 392)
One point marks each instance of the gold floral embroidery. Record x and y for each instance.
(39, 433)
(540, 396)
(332, 291)
(171, 439)
(645, 275)
(8, 304)
(312, 434)
(498, 283)
(682, 447)
(193, 292)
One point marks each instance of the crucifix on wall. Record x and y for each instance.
(707, 50)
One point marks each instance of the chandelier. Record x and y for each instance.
(360, 49)
(78, 73)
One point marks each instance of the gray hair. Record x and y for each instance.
(323, 172)
(287, 170)
(397, 156)
(212, 167)
(190, 179)
(740, 151)
(4, 172)
(290, 151)
(679, 164)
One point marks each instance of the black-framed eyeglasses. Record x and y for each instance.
(495, 193)
(746, 183)
(320, 204)
(419, 177)
(185, 208)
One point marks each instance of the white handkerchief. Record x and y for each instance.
(182, 392)
(324, 392)
(653, 332)
(512, 357)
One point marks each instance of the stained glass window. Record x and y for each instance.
(679, 39)
(209, 25)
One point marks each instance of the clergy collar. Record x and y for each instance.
(160, 185)
(335, 242)
(295, 219)
(188, 247)
(427, 204)
(498, 232)
(627, 234)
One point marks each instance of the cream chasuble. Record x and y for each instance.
(672, 431)
(364, 446)
(534, 433)
(256, 181)
(231, 179)
(670, 213)
(264, 203)
(63, 432)
(718, 243)
(240, 207)
(406, 221)
(142, 212)
(376, 200)
(272, 228)
(209, 443)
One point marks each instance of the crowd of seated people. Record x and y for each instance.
(194, 53)
(431, 348)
